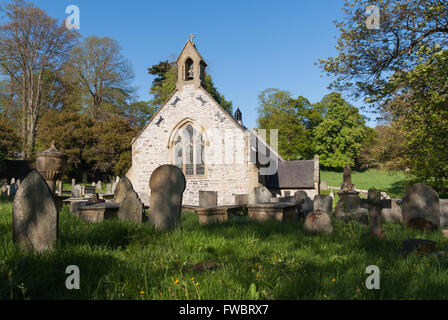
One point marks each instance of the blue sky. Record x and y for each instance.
(248, 45)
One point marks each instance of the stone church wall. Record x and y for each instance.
(229, 173)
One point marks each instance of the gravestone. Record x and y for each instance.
(76, 191)
(167, 185)
(35, 218)
(8, 190)
(323, 185)
(99, 185)
(260, 195)
(12, 190)
(393, 213)
(123, 186)
(131, 208)
(117, 179)
(304, 204)
(241, 199)
(93, 184)
(323, 203)
(109, 188)
(318, 222)
(114, 187)
(443, 203)
(73, 182)
(420, 205)
(208, 199)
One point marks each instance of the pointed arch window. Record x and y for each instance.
(189, 150)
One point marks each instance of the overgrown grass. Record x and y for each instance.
(128, 261)
(393, 183)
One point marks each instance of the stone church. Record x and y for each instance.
(215, 151)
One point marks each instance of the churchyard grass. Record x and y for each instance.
(120, 260)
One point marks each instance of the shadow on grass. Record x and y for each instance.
(43, 277)
(397, 188)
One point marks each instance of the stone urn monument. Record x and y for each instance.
(51, 164)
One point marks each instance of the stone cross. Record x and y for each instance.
(191, 37)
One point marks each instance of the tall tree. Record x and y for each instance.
(368, 57)
(33, 47)
(104, 74)
(340, 136)
(400, 69)
(294, 119)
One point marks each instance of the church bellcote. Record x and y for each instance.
(191, 66)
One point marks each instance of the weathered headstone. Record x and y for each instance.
(318, 222)
(122, 189)
(114, 187)
(99, 185)
(93, 184)
(12, 190)
(443, 204)
(260, 195)
(109, 188)
(167, 185)
(323, 203)
(241, 199)
(421, 207)
(323, 185)
(393, 213)
(304, 204)
(76, 191)
(131, 208)
(35, 218)
(208, 199)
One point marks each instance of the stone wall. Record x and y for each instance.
(153, 148)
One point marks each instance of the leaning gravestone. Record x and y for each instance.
(131, 208)
(35, 218)
(318, 222)
(167, 185)
(122, 189)
(76, 191)
(323, 203)
(421, 207)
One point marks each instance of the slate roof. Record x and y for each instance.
(298, 174)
